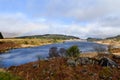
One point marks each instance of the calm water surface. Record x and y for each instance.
(24, 55)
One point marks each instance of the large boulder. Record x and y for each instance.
(83, 61)
(1, 36)
(107, 62)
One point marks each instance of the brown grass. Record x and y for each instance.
(57, 69)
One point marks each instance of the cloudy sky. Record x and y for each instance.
(82, 18)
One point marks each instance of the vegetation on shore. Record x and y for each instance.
(114, 41)
(50, 36)
(9, 76)
(32, 41)
(6, 44)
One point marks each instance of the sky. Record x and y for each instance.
(81, 18)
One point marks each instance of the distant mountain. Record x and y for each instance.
(51, 36)
(115, 37)
(1, 36)
(93, 39)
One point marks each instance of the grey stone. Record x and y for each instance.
(83, 61)
(35, 66)
(71, 62)
(107, 62)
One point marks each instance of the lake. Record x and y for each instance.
(24, 55)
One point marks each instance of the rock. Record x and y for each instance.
(83, 61)
(1, 36)
(71, 62)
(93, 60)
(84, 71)
(116, 57)
(35, 66)
(107, 62)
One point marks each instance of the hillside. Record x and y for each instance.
(114, 41)
(114, 37)
(93, 39)
(50, 36)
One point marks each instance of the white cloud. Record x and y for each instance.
(102, 17)
(19, 26)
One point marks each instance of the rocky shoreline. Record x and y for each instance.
(82, 68)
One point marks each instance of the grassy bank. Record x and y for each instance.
(6, 44)
(109, 42)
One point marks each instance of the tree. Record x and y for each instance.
(73, 51)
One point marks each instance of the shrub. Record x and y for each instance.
(53, 52)
(62, 52)
(73, 51)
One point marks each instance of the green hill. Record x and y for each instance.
(50, 36)
(93, 39)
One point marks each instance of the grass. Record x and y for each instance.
(58, 69)
(8, 76)
(7, 44)
(31, 41)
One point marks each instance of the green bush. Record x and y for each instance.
(8, 76)
(73, 51)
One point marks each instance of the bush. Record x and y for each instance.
(73, 51)
(62, 52)
(53, 52)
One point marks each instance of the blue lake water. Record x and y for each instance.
(24, 55)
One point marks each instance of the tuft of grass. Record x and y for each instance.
(105, 73)
(8, 76)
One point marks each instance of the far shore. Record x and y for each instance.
(7, 44)
(109, 42)
(115, 44)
